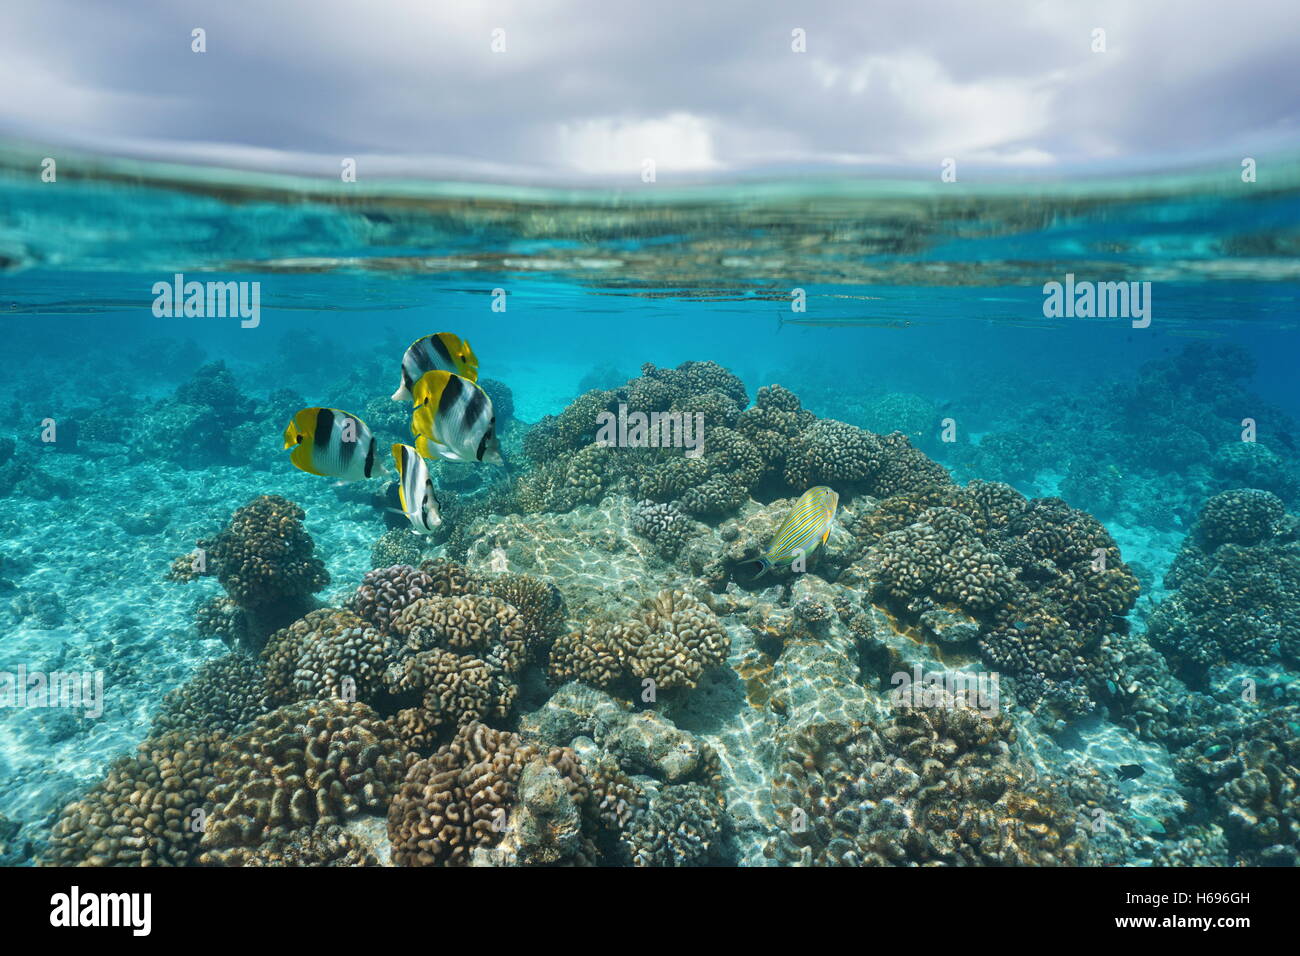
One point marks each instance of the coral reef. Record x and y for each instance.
(305, 764)
(146, 812)
(674, 639)
(575, 670)
(264, 559)
(934, 786)
(1248, 772)
(225, 694)
(1045, 582)
(465, 797)
(1236, 589)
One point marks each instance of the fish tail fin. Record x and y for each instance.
(763, 565)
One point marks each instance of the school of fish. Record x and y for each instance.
(451, 418)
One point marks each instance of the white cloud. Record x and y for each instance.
(940, 115)
(678, 142)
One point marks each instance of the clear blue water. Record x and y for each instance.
(933, 292)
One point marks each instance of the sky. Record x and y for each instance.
(580, 90)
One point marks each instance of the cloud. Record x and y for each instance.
(936, 115)
(589, 89)
(608, 145)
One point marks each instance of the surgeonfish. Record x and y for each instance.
(333, 443)
(415, 489)
(442, 350)
(803, 531)
(453, 419)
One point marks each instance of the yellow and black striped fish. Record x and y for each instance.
(803, 531)
(415, 490)
(333, 443)
(442, 350)
(454, 419)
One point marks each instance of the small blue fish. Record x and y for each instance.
(803, 531)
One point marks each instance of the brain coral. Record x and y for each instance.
(462, 797)
(933, 786)
(461, 663)
(264, 556)
(664, 525)
(1247, 771)
(681, 639)
(385, 592)
(832, 453)
(314, 762)
(672, 641)
(144, 811)
(329, 653)
(941, 554)
(321, 845)
(1243, 516)
(539, 603)
(264, 559)
(225, 694)
(683, 826)
(1233, 602)
(222, 618)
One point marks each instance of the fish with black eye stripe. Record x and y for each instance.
(332, 443)
(454, 419)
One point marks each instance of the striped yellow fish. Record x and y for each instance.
(415, 490)
(331, 442)
(442, 350)
(803, 531)
(453, 419)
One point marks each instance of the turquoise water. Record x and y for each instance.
(924, 316)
